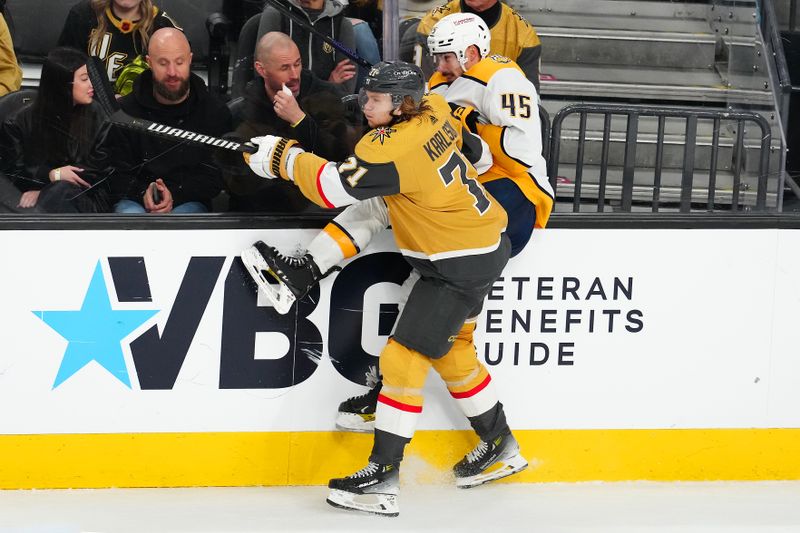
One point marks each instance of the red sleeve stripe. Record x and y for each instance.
(399, 405)
(474, 390)
(325, 200)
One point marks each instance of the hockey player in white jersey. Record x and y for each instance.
(506, 116)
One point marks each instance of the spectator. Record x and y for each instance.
(369, 12)
(512, 35)
(322, 59)
(312, 114)
(367, 19)
(170, 94)
(10, 73)
(117, 31)
(366, 47)
(46, 147)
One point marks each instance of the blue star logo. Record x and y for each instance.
(94, 333)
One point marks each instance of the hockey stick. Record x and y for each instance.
(104, 95)
(282, 8)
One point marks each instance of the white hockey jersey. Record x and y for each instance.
(509, 123)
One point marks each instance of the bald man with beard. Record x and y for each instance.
(309, 111)
(185, 176)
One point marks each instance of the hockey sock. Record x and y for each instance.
(387, 448)
(491, 424)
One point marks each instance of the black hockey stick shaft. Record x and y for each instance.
(303, 23)
(121, 118)
(104, 95)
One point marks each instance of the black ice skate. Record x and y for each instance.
(373, 489)
(489, 461)
(283, 279)
(358, 413)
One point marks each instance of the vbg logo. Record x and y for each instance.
(95, 331)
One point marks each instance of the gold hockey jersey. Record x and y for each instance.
(437, 208)
(509, 123)
(511, 35)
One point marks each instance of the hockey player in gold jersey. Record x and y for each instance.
(452, 233)
(490, 95)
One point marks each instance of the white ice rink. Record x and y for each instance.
(764, 507)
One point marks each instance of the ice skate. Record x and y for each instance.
(282, 279)
(358, 413)
(489, 461)
(373, 489)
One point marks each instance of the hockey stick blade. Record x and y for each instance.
(104, 95)
(287, 10)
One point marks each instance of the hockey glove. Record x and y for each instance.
(274, 158)
(467, 115)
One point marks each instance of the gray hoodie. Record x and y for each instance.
(317, 55)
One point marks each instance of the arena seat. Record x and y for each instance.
(191, 15)
(236, 107)
(11, 102)
(34, 35)
(243, 60)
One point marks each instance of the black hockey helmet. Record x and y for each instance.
(398, 78)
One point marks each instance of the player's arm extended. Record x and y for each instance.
(326, 183)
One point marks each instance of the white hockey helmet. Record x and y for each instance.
(457, 32)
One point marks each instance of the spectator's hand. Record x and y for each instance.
(68, 173)
(287, 108)
(28, 199)
(344, 71)
(165, 206)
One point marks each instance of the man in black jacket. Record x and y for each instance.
(308, 110)
(184, 176)
(327, 17)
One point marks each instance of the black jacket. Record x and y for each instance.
(324, 131)
(187, 170)
(26, 161)
(317, 55)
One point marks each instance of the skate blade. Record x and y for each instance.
(509, 466)
(355, 423)
(276, 292)
(379, 504)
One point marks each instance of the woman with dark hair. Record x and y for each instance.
(116, 31)
(46, 146)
